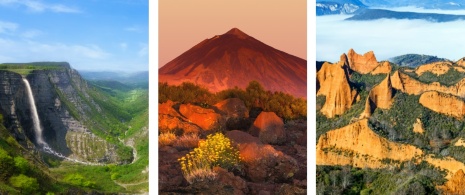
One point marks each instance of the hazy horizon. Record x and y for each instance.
(388, 38)
(88, 34)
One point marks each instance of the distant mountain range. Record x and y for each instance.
(235, 59)
(427, 4)
(374, 14)
(338, 7)
(123, 77)
(414, 60)
(363, 9)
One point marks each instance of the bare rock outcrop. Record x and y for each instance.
(382, 68)
(262, 162)
(170, 120)
(437, 68)
(269, 128)
(455, 184)
(334, 84)
(409, 85)
(418, 127)
(449, 164)
(205, 118)
(233, 107)
(443, 103)
(357, 145)
(362, 64)
(461, 62)
(381, 96)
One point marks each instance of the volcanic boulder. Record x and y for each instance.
(205, 118)
(261, 161)
(170, 120)
(269, 128)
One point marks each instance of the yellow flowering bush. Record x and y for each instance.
(216, 150)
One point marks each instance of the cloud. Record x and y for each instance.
(144, 51)
(31, 34)
(388, 38)
(38, 6)
(133, 29)
(7, 27)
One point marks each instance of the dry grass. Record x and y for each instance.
(166, 139)
(187, 141)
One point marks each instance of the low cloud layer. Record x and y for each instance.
(388, 38)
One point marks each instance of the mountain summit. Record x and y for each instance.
(234, 59)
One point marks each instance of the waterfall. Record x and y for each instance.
(38, 128)
(35, 115)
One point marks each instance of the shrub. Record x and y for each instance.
(25, 183)
(21, 164)
(79, 180)
(216, 150)
(165, 139)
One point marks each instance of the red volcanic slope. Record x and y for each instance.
(235, 59)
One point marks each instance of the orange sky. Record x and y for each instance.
(281, 24)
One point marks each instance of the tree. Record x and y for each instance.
(24, 183)
(6, 164)
(21, 164)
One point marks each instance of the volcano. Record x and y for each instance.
(234, 59)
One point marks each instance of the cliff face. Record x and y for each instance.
(362, 64)
(63, 105)
(437, 68)
(409, 85)
(357, 145)
(381, 96)
(15, 108)
(443, 103)
(455, 184)
(334, 84)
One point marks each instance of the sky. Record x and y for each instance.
(388, 38)
(278, 23)
(96, 35)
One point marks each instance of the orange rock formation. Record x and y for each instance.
(362, 64)
(382, 68)
(381, 96)
(357, 145)
(206, 119)
(455, 185)
(334, 84)
(418, 127)
(449, 164)
(437, 68)
(443, 103)
(409, 85)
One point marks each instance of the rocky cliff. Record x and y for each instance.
(64, 107)
(409, 85)
(362, 63)
(443, 103)
(334, 84)
(381, 96)
(357, 145)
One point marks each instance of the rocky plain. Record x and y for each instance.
(273, 153)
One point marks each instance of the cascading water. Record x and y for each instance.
(38, 128)
(35, 116)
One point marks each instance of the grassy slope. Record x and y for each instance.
(129, 114)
